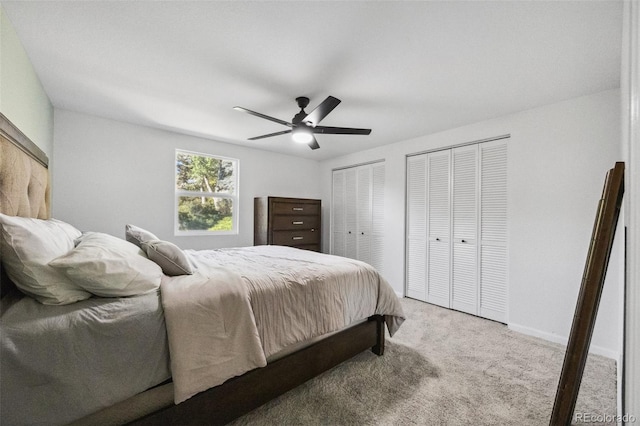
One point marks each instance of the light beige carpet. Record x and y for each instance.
(443, 368)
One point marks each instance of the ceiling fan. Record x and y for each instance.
(303, 125)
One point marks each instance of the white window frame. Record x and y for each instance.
(235, 212)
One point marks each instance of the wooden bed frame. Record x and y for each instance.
(235, 397)
(238, 396)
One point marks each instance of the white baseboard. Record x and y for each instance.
(399, 294)
(594, 349)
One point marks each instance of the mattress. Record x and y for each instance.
(62, 362)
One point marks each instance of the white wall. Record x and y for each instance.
(107, 174)
(558, 157)
(22, 97)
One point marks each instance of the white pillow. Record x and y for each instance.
(109, 267)
(137, 235)
(168, 256)
(27, 246)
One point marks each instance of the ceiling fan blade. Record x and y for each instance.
(284, 132)
(314, 143)
(266, 117)
(322, 110)
(340, 130)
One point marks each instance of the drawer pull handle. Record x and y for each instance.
(298, 209)
(297, 238)
(297, 223)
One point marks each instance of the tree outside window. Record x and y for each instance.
(206, 194)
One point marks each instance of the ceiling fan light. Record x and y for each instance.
(302, 135)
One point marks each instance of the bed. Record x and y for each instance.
(243, 326)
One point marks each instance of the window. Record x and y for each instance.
(206, 194)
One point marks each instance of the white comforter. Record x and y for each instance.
(246, 304)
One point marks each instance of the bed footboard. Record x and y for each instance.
(242, 394)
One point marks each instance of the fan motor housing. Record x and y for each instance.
(303, 102)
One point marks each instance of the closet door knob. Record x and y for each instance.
(437, 239)
(464, 241)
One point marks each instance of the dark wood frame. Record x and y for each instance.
(237, 396)
(19, 139)
(584, 317)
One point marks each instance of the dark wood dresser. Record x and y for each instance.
(291, 222)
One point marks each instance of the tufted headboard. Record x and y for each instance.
(24, 177)
(24, 181)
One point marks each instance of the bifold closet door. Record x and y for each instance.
(363, 212)
(377, 217)
(438, 228)
(456, 232)
(416, 271)
(464, 271)
(357, 213)
(494, 290)
(338, 228)
(351, 213)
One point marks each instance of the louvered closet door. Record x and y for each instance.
(416, 272)
(493, 231)
(377, 217)
(364, 214)
(351, 216)
(338, 229)
(464, 282)
(438, 229)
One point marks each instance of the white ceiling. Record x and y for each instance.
(403, 69)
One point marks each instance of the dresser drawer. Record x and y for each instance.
(295, 238)
(285, 222)
(295, 208)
